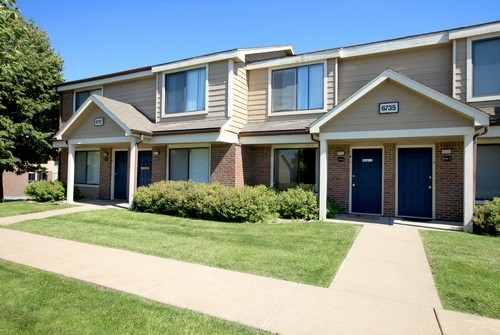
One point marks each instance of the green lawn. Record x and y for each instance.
(466, 270)
(304, 252)
(35, 302)
(12, 208)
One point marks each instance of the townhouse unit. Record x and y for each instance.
(407, 127)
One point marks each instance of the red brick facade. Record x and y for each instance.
(159, 165)
(338, 181)
(449, 182)
(66, 107)
(389, 179)
(13, 184)
(105, 174)
(227, 165)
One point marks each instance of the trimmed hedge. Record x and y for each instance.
(45, 191)
(222, 203)
(487, 218)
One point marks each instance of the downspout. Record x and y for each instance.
(474, 141)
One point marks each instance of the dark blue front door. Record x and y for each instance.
(415, 182)
(120, 175)
(144, 169)
(367, 181)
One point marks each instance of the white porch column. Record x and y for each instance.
(469, 200)
(71, 174)
(133, 172)
(323, 177)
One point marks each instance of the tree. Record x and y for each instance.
(29, 107)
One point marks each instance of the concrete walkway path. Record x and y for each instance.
(384, 286)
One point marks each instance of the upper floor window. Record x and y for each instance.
(81, 96)
(185, 91)
(486, 67)
(299, 88)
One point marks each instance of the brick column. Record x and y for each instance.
(159, 165)
(389, 179)
(105, 174)
(227, 165)
(338, 176)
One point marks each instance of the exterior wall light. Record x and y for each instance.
(105, 156)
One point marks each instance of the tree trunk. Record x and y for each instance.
(1, 186)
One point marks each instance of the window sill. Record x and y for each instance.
(88, 185)
(299, 112)
(485, 98)
(184, 114)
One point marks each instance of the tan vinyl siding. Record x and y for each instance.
(291, 117)
(265, 56)
(415, 112)
(240, 98)
(431, 66)
(84, 127)
(330, 84)
(159, 90)
(461, 70)
(139, 93)
(257, 95)
(217, 89)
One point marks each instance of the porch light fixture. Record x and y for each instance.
(105, 156)
(156, 153)
(340, 153)
(446, 151)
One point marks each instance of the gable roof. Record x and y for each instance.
(480, 118)
(124, 115)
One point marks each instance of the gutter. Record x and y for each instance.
(274, 132)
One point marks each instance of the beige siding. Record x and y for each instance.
(264, 56)
(84, 127)
(330, 84)
(461, 70)
(240, 98)
(159, 89)
(431, 66)
(217, 89)
(257, 95)
(138, 93)
(415, 112)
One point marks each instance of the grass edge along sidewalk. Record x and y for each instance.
(303, 252)
(13, 208)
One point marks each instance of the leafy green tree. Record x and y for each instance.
(29, 107)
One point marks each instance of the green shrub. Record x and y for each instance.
(77, 194)
(332, 209)
(208, 201)
(297, 203)
(487, 218)
(45, 191)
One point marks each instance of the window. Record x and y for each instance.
(295, 167)
(87, 167)
(185, 91)
(81, 96)
(488, 173)
(299, 88)
(189, 164)
(31, 177)
(486, 67)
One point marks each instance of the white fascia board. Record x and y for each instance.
(196, 61)
(400, 133)
(276, 139)
(59, 144)
(493, 131)
(243, 52)
(185, 138)
(475, 31)
(399, 44)
(73, 118)
(294, 60)
(227, 137)
(97, 82)
(102, 140)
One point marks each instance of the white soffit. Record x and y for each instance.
(475, 31)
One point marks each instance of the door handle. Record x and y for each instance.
(430, 187)
(353, 184)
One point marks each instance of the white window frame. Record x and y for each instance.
(470, 84)
(189, 146)
(89, 150)
(164, 93)
(84, 90)
(296, 112)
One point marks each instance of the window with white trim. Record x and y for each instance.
(185, 91)
(87, 166)
(295, 167)
(189, 164)
(486, 67)
(299, 88)
(81, 96)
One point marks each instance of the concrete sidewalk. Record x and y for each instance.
(383, 287)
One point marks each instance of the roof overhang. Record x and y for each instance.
(101, 80)
(480, 118)
(475, 31)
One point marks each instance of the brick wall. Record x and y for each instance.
(159, 165)
(105, 174)
(389, 179)
(66, 106)
(449, 182)
(338, 176)
(227, 165)
(63, 164)
(13, 184)
(261, 166)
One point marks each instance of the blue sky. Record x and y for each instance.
(96, 37)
